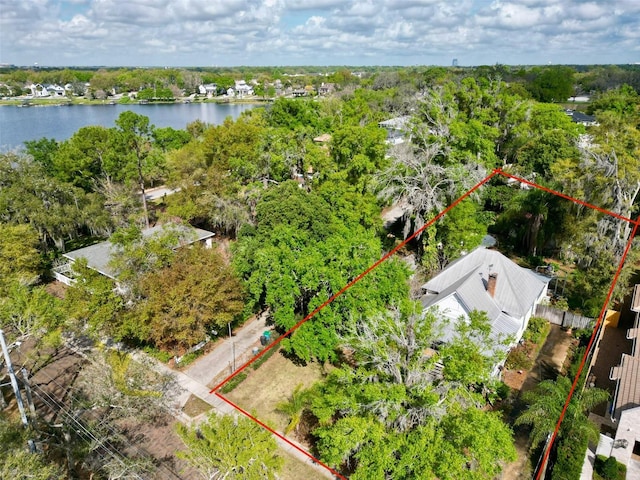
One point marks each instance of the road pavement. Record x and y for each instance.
(218, 363)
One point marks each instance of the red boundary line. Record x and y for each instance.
(281, 437)
(603, 312)
(356, 280)
(495, 172)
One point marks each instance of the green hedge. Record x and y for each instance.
(255, 365)
(233, 383)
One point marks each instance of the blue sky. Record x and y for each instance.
(318, 32)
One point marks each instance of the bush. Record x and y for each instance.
(503, 390)
(537, 330)
(188, 358)
(571, 452)
(158, 354)
(233, 383)
(519, 359)
(255, 365)
(609, 468)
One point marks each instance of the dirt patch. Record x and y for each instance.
(195, 406)
(514, 378)
(271, 384)
(294, 469)
(57, 289)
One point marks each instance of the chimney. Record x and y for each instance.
(491, 284)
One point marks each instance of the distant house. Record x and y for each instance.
(99, 256)
(55, 90)
(43, 91)
(38, 90)
(242, 89)
(210, 89)
(398, 129)
(326, 88)
(487, 281)
(581, 118)
(299, 92)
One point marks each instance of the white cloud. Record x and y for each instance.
(231, 32)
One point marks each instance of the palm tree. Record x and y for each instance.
(295, 407)
(545, 405)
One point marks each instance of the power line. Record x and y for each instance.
(65, 411)
(81, 429)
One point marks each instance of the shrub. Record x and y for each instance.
(255, 365)
(537, 330)
(571, 452)
(503, 390)
(233, 383)
(158, 354)
(188, 358)
(519, 359)
(609, 468)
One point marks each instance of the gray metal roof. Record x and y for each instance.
(517, 289)
(99, 255)
(397, 123)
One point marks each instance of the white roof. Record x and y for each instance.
(99, 255)
(517, 289)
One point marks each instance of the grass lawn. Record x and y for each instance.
(294, 469)
(271, 384)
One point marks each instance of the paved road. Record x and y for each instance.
(218, 363)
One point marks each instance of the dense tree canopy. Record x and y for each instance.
(297, 189)
(373, 417)
(233, 448)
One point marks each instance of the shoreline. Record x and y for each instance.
(64, 102)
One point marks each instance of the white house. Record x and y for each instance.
(242, 89)
(210, 89)
(98, 256)
(39, 90)
(487, 281)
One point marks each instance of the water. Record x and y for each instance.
(19, 124)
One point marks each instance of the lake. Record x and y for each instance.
(19, 124)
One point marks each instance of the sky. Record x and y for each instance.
(318, 32)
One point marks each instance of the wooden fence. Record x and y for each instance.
(563, 318)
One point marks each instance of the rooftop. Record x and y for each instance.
(99, 255)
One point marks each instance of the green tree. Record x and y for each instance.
(92, 153)
(92, 302)
(231, 448)
(135, 134)
(57, 210)
(390, 413)
(544, 405)
(183, 302)
(552, 84)
(20, 259)
(300, 253)
(43, 151)
(30, 312)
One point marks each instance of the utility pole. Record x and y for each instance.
(14, 381)
(27, 390)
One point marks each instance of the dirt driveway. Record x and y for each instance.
(548, 365)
